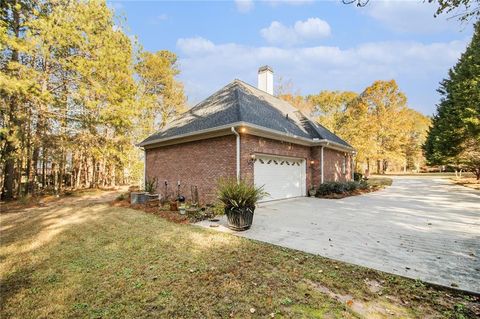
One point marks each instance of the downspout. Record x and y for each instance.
(321, 166)
(352, 165)
(238, 153)
(144, 167)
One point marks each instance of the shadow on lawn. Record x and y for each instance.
(24, 233)
(102, 261)
(85, 260)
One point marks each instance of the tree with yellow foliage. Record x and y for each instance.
(377, 122)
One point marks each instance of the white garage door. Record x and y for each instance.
(281, 177)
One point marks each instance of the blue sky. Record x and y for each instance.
(317, 45)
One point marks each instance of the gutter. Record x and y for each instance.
(238, 152)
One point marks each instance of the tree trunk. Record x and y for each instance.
(94, 173)
(10, 148)
(44, 168)
(61, 172)
(32, 176)
(9, 179)
(112, 176)
(19, 176)
(384, 166)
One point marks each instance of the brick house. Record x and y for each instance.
(245, 132)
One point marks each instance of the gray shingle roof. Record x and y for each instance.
(241, 102)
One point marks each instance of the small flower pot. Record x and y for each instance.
(173, 206)
(239, 218)
(312, 192)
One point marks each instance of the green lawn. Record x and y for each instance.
(82, 259)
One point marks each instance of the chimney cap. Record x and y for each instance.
(265, 68)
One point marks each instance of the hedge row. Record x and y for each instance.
(340, 187)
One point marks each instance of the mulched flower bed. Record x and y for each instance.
(353, 193)
(348, 194)
(173, 216)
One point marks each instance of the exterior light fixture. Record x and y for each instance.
(243, 130)
(312, 162)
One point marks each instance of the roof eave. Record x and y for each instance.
(181, 136)
(335, 146)
(256, 130)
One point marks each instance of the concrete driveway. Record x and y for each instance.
(420, 227)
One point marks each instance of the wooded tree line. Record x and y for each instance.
(454, 138)
(377, 123)
(76, 93)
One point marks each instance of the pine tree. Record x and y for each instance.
(454, 137)
(71, 108)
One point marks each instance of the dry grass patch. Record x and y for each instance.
(470, 182)
(379, 182)
(98, 261)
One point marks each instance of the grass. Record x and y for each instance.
(82, 259)
(470, 182)
(468, 179)
(379, 182)
(30, 201)
(431, 174)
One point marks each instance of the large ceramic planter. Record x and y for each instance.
(239, 218)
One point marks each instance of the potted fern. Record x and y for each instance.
(239, 200)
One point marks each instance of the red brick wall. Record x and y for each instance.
(250, 144)
(333, 162)
(316, 171)
(202, 163)
(198, 163)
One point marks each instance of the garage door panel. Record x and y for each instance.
(280, 177)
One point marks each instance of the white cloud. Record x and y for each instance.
(417, 67)
(192, 46)
(244, 6)
(277, 33)
(413, 16)
(312, 28)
